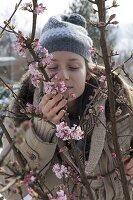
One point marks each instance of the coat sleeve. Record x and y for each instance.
(36, 151)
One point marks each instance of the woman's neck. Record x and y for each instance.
(73, 106)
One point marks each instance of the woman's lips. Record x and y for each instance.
(69, 87)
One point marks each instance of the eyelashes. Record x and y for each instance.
(72, 68)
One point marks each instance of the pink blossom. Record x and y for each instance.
(33, 67)
(77, 133)
(36, 76)
(31, 109)
(92, 50)
(20, 45)
(100, 108)
(61, 195)
(32, 192)
(39, 9)
(66, 133)
(27, 6)
(102, 79)
(62, 87)
(29, 178)
(47, 59)
(63, 131)
(60, 171)
(50, 196)
(49, 88)
(114, 155)
(52, 88)
(36, 45)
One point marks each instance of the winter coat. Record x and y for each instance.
(39, 150)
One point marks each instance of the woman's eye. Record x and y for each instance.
(73, 68)
(53, 67)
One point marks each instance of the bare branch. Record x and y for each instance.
(34, 20)
(102, 18)
(20, 161)
(9, 20)
(94, 2)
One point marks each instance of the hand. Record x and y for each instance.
(128, 164)
(52, 107)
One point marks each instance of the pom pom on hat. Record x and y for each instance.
(67, 33)
(75, 19)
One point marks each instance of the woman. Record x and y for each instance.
(66, 38)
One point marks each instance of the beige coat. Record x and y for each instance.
(42, 156)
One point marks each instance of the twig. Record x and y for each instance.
(94, 2)
(82, 172)
(16, 7)
(6, 29)
(102, 18)
(127, 75)
(34, 20)
(19, 159)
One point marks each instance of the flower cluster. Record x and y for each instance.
(39, 9)
(60, 196)
(27, 6)
(66, 133)
(100, 108)
(42, 53)
(102, 78)
(92, 50)
(32, 193)
(20, 45)
(52, 88)
(44, 58)
(29, 178)
(60, 171)
(36, 76)
(31, 109)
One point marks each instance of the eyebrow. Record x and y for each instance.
(71, 59)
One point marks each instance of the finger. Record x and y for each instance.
(58, 117)
(57, 108)
(129, 164)
(130, 171)
(51, 103)
(126, 159)
(45, 100)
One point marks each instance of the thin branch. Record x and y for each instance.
(34, 20)
(126, 73)
(81, 169)
(6, 29)
(120, 66)
(19, 159)
(9, 20)
(94, 2)
(102, 18)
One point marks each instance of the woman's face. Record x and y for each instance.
(70, 68)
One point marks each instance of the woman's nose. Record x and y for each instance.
(63, 75)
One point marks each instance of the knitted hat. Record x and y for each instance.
(66, 33)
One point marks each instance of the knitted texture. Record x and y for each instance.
(67, 33)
